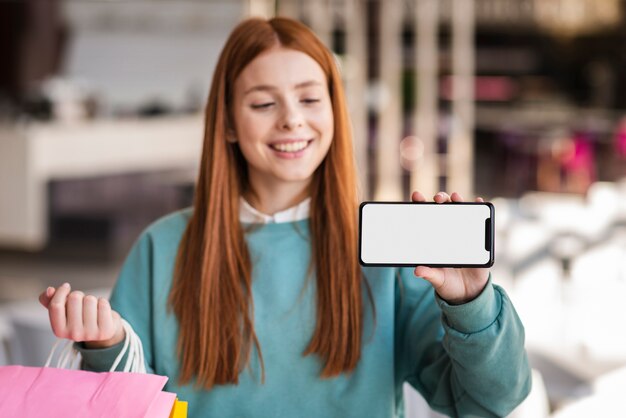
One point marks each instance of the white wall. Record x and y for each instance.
(131, 52)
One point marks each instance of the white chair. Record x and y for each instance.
(32, 338)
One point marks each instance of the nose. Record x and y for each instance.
(291, 118)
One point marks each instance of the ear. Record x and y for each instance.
(230, 136)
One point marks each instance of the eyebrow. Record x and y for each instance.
(266, 87)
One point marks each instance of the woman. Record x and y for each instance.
(253, 301)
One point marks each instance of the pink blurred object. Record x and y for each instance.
(581, 158)
(34, 392)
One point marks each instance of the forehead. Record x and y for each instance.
(280, 67)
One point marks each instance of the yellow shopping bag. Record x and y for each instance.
(179, 410)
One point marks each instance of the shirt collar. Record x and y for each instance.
(248, 214)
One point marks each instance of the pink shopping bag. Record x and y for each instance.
(35, 392)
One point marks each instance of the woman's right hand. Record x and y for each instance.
(82, 318)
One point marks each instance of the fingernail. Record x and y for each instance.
(66, 284)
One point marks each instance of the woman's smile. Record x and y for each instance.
(290, 149)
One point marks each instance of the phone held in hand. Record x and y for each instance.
(455, 234)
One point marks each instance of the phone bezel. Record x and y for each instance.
(491, 232)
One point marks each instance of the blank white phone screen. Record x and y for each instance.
(447, 234)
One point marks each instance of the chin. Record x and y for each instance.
(298, 177)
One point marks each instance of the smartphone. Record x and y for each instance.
(456, 234)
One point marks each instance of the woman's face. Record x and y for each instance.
(283, 117)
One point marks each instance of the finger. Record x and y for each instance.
(75, 316)
(46, 296)
(417, 197)
(90, 318)
(434, 276)
(480, 199)
(455, 197)
(105, 319)
(56, 310)
(441, 197)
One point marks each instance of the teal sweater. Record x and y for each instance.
(466, 360)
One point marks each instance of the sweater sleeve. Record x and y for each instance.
(131, 298)
(465, 360)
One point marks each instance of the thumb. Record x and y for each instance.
(46, 296)
(434, 276)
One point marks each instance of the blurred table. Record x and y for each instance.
(31, 155)
(607, 399)
(574, 326)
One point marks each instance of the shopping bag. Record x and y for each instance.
(34, 392)
(179, 410)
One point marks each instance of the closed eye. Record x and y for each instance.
(309, 101)
(262, 105)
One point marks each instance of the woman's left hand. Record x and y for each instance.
(454, 285)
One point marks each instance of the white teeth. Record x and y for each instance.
(291, 146)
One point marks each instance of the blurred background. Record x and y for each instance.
(522, 102)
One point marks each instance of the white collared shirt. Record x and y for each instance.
(248, 214)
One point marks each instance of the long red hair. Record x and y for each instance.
(211, 294)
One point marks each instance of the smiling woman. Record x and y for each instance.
(276, 317)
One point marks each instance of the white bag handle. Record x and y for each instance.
(135, 362)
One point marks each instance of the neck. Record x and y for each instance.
(269, 199)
